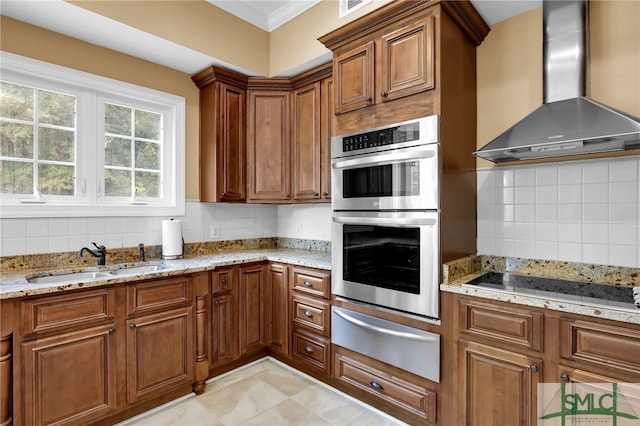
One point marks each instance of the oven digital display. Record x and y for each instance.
(381, 256)
(389, 136)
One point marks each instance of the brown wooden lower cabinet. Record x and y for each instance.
(70, 378)
(497, 386)
(279, 329)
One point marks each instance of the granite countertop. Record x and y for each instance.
(15, 286)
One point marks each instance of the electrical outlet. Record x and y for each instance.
(215, 231)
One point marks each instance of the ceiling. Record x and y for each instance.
(73, 21)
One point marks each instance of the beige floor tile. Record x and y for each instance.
(329, 405)
(239, 401)
(283, 379)
(287, 413)
(186, 413)
(370, 418)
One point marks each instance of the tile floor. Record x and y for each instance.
(265, 393)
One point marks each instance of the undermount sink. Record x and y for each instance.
(134, 270)
(94, 275)
(76, 276)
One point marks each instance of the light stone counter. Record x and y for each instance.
(15, 286)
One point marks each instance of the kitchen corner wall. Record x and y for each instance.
(575, 211)
(233, 221)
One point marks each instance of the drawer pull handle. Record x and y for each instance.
(308, 283)
(308, 349)
(376, 385)
(565, 378)
(534, 368)
(383, 330)
(324, 194)
(308, 314)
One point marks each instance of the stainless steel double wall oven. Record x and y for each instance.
(386, 212)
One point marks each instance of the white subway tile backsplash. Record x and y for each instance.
(595, 193)
(570, 173)
(78, 226)
(580, 211)
(595, 172)
(624, 170)
(37, 228)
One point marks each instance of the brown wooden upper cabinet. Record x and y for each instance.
(405, 66)
(265, 140)
(222, 135)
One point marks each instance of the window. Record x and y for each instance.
(77, 144)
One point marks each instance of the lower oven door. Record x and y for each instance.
(388, 259)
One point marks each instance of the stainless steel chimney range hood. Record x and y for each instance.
(568, 123)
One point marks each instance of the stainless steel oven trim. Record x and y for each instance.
(387, 157)
(425, 304)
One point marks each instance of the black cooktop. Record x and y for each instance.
(570, 291)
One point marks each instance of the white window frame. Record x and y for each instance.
(92, 92)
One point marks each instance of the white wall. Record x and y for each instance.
(577, 211)
(235, 221)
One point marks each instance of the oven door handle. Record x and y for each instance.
(386, 158)
(383, 330)
(400, 222)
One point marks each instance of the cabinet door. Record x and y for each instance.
(231, 144)
(408, 60)
(354, 78)
(253, 318)
(306, 142)
(497, 386)
(160, 352)
(70, 378)
(224, 325)
(268, 146)
(222, 142)
(278, 309)
(327, 125)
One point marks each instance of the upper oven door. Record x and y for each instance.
(399, 179)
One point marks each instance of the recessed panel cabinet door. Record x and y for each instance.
(278, 311)
(306, 142)
(70, 379)
(253, 307)
(354, 76)
(497, 387)
(408, 61)
(268, 146)
(160, 351)
(231, 147)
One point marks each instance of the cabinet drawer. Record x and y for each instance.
(160, 294)
(68, 310)
(313, 282)
(312, 349)
(224, 280)
(513, 326)
(312, 313)
(384, 385)
(605, 345)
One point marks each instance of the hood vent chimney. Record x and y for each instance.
(567, 123)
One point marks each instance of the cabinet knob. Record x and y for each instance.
(112, 330)
(308, 349)
(533, 368)
(383, 94)
(132, 326)
(308, 283)
(368, 99)
(315, 194)
(325, 194)
(565, 378)
(308, 314)
(376, 385)
(225, 284)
